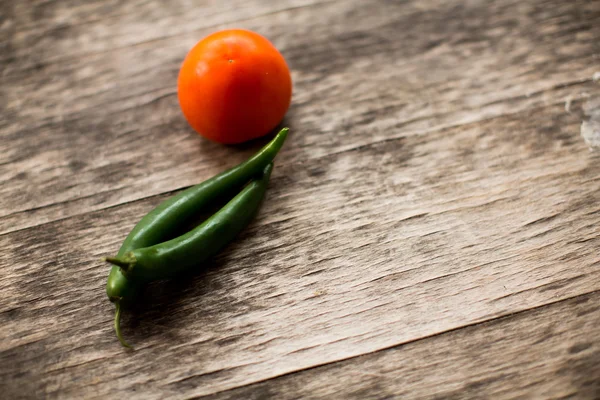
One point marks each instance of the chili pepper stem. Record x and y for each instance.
(118, 325)
(124, 264)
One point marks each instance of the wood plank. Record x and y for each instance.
(39, 32)
(547, 353)
(352, 253)
(96, 131)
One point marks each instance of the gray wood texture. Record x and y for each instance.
(430, 230)
(550, 352)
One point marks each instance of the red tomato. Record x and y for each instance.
(234, 86)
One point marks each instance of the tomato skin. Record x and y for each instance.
(234, 86)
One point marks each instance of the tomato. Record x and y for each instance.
(234, 86)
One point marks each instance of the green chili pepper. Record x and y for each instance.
(169, 217)
(171, 258)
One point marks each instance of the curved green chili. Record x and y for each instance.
(169, 217)
(171, 258)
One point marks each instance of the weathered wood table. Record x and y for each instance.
(431, 228)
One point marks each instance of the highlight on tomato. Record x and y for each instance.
(234, 86)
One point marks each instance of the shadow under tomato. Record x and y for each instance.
(261, 141)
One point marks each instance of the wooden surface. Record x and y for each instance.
(430, 230)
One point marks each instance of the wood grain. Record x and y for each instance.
(435, 181)
(78, 141)
(547, 353)
(352, 253)
(54, 31)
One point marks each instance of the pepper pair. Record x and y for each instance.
(147, 254)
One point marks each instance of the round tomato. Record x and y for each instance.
(234, 86)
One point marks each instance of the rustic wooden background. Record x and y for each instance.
(431, 227)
